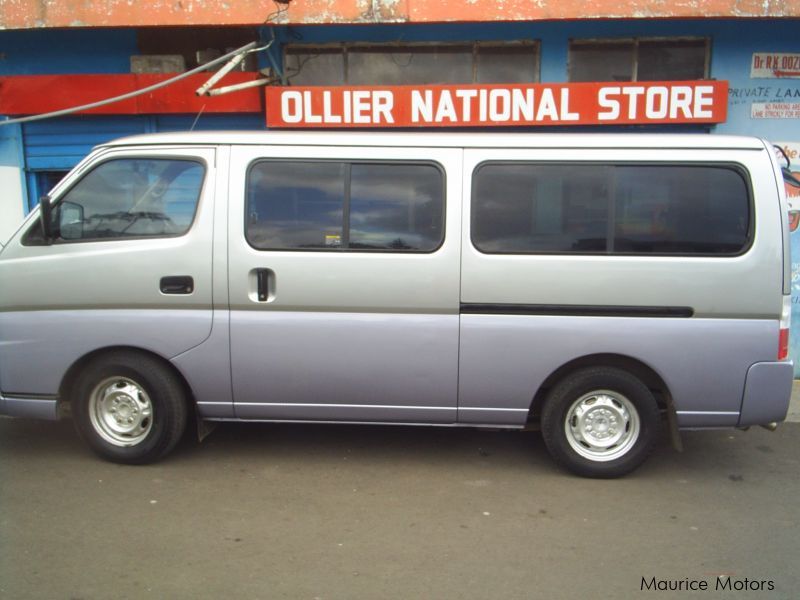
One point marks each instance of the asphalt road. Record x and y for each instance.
(307, 512)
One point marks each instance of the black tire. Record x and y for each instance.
(600, 422)
(128, 407)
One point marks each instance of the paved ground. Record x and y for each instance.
(794, 405)
(289, 511)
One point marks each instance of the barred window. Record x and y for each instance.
(638, 60)
(413, 64)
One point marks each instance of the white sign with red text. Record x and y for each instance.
(771, 65)
(775, 110)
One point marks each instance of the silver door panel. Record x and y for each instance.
(38, 347)
(710, 285)
(345, 335)
(206, 368)
(505, 359)
(66, 300)
(351, 366)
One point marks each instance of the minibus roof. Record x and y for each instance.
(445, 140)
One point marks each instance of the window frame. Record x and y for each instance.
(345, 47)
(346, 204)
(738, 168)
(635, 41)
(89, 168)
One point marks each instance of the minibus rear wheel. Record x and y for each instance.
(600, 422)
(128, 407)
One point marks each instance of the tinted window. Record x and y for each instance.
(407, 64)
(671, 61)
(638, 60)
(294, 205)
(125, 198)
(680, 209)
(552, 208)
(653, 209)
(506, 63)
(601, 62)
(395, 206)
(315, 66)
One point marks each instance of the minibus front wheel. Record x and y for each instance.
(600, 422)
(128, 407)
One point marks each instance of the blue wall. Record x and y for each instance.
(733, 43)
(51, 52)
(59, 144)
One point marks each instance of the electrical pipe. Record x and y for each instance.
(68, 111)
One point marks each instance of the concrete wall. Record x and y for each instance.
(12, 190)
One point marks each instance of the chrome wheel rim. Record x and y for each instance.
(120, 411)
(602, 425)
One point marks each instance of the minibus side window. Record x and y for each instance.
(128, 198)
(680, 210)
(295, 205)
(345, 206)
(395, 206)
(525, 208)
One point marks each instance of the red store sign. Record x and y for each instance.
(498, 105)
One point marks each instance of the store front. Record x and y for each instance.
(762, 98)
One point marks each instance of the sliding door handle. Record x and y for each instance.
(262, 285)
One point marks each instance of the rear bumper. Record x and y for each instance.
(767, 392)
(32, 408)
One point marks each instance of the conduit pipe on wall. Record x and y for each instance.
(67, 111)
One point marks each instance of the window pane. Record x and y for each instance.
(540, 208)
(658, 209)
(131, 198)
(672, 61)
(315, 66)
(403, 65)
(507, 64)
(680, 209)
(396, 206)
(295, 205)
(601, 62)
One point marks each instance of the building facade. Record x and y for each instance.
(61, 54)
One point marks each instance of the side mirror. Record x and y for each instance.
(46, 218)
(70, 221)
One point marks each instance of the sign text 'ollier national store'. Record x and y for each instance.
(498, 105)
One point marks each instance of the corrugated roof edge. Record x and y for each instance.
(437, 139)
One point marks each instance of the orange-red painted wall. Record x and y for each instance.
(35, 94)
(25, 14)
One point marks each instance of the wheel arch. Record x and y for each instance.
(641, 370)
(71, 375)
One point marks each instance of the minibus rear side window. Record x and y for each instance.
(352, 206)
(680, 210)
(528, 208)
